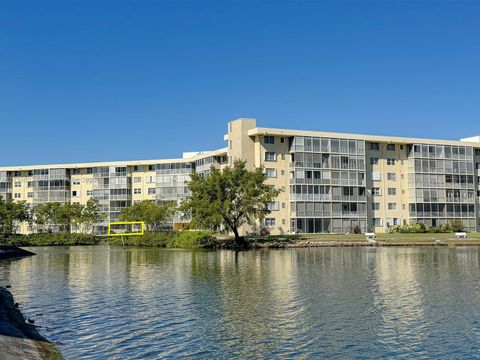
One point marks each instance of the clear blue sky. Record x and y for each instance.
(113, 80)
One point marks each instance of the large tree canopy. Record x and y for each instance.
(229, 198)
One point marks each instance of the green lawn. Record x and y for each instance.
(396, 238)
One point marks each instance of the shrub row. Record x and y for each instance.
(453, 226)
(181, 239)
(50, 239)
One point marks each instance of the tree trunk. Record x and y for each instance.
(240, 243)
(237, 236)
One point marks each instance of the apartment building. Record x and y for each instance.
(328, 182)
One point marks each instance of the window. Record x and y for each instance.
(151, 191)
(151, 167)
(76, 181)
(18, 184)
(75, 193)
(150, 179)
(392, 176)
(271, 187)
(374, 146)
(392, 191)
(269, 222)
(376, 191)
(375, 175)
(392, 206)
(375, 206)
(374, 161)
(270, 173)
(137, 179)
(137, 191)
(272, 206)
(30, 184)
(136, 168)
(17, 195)
(89, 170)
(18, 173)
(283, 205)
(269, 139)
(283, 156)
(390, 161)
(282, 140)
(477, 152)
(391, 222)
(282, 172)
(40, 172)
(377, 222)
(270, 156)
(30, 195)
(75, 171)
(89, 192)
(391, 147)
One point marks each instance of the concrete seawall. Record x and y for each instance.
(18, 339)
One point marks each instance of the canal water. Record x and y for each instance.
(102, 302)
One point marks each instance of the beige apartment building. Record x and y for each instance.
(328, 182)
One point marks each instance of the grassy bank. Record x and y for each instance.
(395, 239)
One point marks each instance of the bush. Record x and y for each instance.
(154, 239)
(50, 239)
(357, 230)
(180, 239)
(192, 239)
(409, 229)
(445, 228)
(456, 226)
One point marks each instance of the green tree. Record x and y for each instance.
(46, 214)
(229, 198)
(68, 215)
(11, 213)
(91, 215)
(153, 215)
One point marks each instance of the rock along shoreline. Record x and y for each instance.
(18, 339)
(13, 252)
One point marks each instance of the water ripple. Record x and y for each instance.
(100, 302)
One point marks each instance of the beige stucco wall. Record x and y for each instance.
(246, 141)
